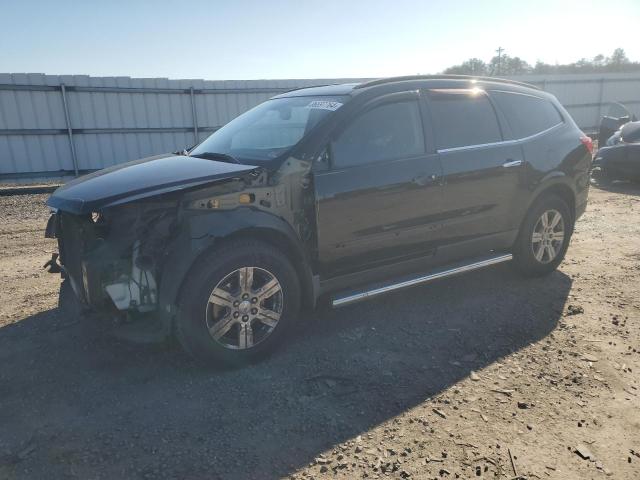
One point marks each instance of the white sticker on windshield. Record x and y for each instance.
(325, 105)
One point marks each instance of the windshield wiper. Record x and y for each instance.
(216, 156)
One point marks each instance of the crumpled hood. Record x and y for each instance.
(140, 179)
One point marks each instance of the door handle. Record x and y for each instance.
(512, 163)
(423, 180)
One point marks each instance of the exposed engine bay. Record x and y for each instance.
(116, 254)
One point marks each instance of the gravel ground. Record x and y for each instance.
(483, 376)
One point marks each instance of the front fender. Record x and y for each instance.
(201, 231)
(226, 222)
(609, 156)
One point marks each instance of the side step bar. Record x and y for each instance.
(353, 296)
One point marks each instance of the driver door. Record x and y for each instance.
(378, 202)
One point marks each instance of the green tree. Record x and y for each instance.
(473, 66)
(598, 61)
(542, 68)
(517, 66)
(506, 65)
(618, 60)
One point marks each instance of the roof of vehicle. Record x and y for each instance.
(354, 88)
(631, 132)
(335, 89)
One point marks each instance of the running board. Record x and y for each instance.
(347, 298)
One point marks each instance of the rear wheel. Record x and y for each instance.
(544, 236)
(238, 303)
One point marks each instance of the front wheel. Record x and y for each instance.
(238, 303)
(544, 237)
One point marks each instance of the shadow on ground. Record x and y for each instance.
(617, 186)
(74, 402)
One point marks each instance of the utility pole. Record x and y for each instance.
(499, 52)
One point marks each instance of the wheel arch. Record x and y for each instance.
(556, 184)
(557, 189)
(288, 245)
(560, 186)
(205, 234)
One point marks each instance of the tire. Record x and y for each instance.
(223, 326)
(68, 303)
(526, 251)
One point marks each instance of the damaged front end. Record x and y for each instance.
(113, 258)
(115, 229)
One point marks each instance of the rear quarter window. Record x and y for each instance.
(463, 118)
(526, 114)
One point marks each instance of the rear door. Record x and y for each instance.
(481, 171)
(379, 199)
(537, 126)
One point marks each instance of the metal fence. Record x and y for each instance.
(52, 126)
(61, 125)
(587, 97)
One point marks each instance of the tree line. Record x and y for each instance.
(504, 64)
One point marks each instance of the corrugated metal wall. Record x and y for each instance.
(114, 119)
(94, 122)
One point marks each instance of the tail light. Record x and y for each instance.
(587, 142)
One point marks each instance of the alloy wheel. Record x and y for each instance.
(548, 236)
(244, 308)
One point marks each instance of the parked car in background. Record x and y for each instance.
(618, 157)
(343, 192)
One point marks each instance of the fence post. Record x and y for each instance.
(194, 114)
(600, 97)
(69, 129)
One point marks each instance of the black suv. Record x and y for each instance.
(342, 192)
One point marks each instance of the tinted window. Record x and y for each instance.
(390, 131)
(462, 118)
(526, 114)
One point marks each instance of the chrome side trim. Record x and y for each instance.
(366, 294)
(496, 144)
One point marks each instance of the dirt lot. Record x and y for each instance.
(449, 380)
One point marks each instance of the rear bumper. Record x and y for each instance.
(582, 195)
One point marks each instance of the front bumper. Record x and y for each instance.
(72, 234)
(107, 270)
(52, 226)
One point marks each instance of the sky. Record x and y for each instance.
(252, 39)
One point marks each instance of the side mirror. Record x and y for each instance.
(323, 159)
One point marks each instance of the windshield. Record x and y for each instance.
(270, 129)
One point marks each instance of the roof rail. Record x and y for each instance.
(308, 86)
(381, 81)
